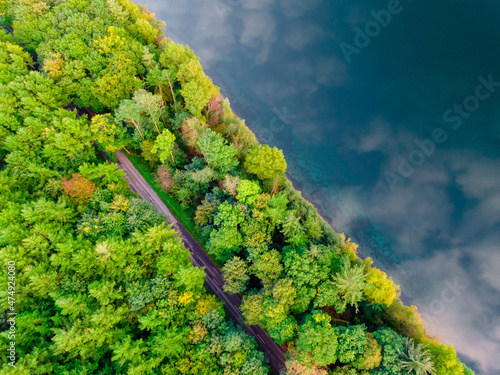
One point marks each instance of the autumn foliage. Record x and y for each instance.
(78, 188)
(164, 177)
(214, 111)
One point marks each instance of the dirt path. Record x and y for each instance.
(213, 279)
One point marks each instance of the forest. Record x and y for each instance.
(101, 284)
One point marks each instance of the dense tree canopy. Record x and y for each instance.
(103, 285)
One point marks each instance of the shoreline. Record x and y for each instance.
(236, 108)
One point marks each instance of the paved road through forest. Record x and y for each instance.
(213, 279)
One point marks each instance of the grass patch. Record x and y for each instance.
(184, 216)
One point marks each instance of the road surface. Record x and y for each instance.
(213, 279)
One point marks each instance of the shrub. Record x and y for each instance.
(164, 177)
(79, 189)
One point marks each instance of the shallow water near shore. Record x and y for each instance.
(389, 117)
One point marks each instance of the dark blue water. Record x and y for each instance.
(394, 136)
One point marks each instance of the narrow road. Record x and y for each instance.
(213, 279)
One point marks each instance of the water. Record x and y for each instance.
(345, 128)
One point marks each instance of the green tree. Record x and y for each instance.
(350, 283)
(276, 209)
(352, 342)
(317, 343)
(265, 161)
(160, 79)
(293, 230)
(254, 365)
(205, 212)
(128, 351)
(391, 344)
(169, 343)
(416, 359)
(296, 260)
(224, 242)
(285, 292)
(197, 92)
(174, 55)
(252, 308)
(13, 62)
(117, 81)
(328, 295)
(312, 226)
(227, 239)
(196, 88)
(257, 231)
(229, 215)
(239, 134)
(128, 112)
(248, 191)
(146, 30)
(141, 215)
(235, 273)
(283, 330)
(372, 354)
(379, 288)
(216, 151)
(151, 105)
(267, 266)
(444, 358)
(164, 145)
(106, 133)
(147, 147)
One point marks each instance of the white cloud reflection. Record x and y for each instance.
(259, 34)
(297, 8)
(298, 35)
